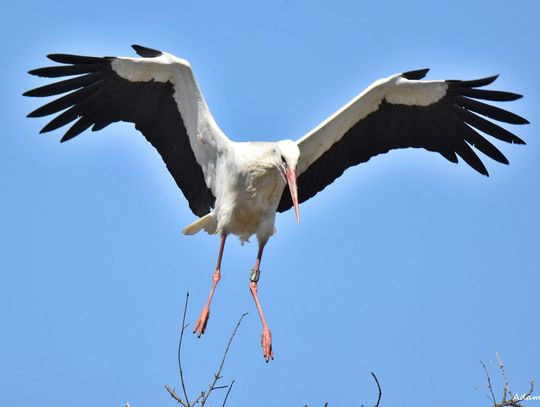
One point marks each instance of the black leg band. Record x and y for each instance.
(254, 276)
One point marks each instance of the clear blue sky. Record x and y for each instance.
(408, 266)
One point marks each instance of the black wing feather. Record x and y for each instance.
(75, 59)
(146, 52)
(99, 97)
(65, 70)
(447, 127)
(494, 95)
(67, 85)
(66, 101)
(418, 74)
(492, 112)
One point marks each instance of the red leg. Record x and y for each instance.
(205, 313)
(266, 340)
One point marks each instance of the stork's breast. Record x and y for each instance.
(265, 188)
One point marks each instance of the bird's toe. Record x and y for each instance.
(266, 342)
(200, 326)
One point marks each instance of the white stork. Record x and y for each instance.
(237, 187)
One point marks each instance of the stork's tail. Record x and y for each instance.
(207, 222)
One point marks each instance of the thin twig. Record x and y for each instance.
(199, 398)
(176, 397)
(489, 384)
(180, 348)
(204, 395)
(379, 387)
(227, 395)
(506, 389)
(171, 391)
(516, 403)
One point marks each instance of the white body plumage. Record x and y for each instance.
(250, 179)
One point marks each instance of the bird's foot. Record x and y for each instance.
(266, 342)
(202, 321)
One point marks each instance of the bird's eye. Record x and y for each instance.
(283, 162)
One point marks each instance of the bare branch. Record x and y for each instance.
(203, 396)
(217, 375)
(489, 384)
(199, 398)
(180, 348)
(515, 400)
(176, 396)
(169, 390)
(379, 387)
(227, 395)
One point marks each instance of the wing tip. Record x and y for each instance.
(517, 96)
(416, 74)
(34, 72)
(52, 57)
(475, 83)
(146, 52)
(67, 137)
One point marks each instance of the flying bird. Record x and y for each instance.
(237, 187)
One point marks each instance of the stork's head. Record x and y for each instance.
(287, 155)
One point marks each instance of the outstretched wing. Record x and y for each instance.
(158, 93)
(399, 112)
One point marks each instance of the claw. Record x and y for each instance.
(202, 321)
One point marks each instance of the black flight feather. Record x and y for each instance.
(448, 126)
(146, 52)
(99, 97)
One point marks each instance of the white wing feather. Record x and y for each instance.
(395, 89)
(207, 140)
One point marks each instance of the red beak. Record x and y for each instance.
(290, 174)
